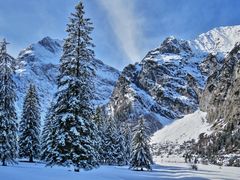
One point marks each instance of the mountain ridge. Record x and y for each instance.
(174, 74)
(39, 64)
(220, 102)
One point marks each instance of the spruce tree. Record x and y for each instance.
(29, 129)
(47, 135)
(119, 145)
(8, 117)
(127, 142)
(113, 145)
(109, 144)
(73, 128)
(140, 156)
(100, 136)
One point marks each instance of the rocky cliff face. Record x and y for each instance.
(164, 86)
(221, 101)
(222, 94)
(39, 64)
(167, 84)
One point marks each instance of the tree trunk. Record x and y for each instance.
(31, 159)
(4, 162)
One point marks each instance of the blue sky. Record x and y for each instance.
(124, 29)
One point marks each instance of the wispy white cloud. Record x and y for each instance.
(126, 26)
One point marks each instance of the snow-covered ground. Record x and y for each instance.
(26, 171)
(185, 129)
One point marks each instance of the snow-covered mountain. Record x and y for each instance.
(222, 90)
(221, 101)
(39, 64)
(218, 40)
(220, 75)
(217, 130)
(164, 86)
(168, 83)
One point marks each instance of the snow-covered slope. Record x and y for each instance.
(218, 40)
(185, 129)
(104, 81)
(39, 64)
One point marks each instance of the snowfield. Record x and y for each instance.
(181, 171)
(185, 129)
(221, 39)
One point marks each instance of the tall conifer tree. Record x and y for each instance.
(29, 130)
(8, 117)
(113, 143)
(141, 157)
(100, 134)
(74, 138)
(127, 142)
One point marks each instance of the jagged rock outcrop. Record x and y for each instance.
(209, 65)
(221, 101)
(164, 86)
(171, 45)
(168, 82)
(221, 97)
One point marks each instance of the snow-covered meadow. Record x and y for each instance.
(166, 171)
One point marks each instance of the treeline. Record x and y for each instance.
(221, 147)
(74, 132)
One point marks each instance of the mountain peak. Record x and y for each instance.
(50, 44)
(45, 51)
(218, 40)
(174, 46)
(170, 46)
